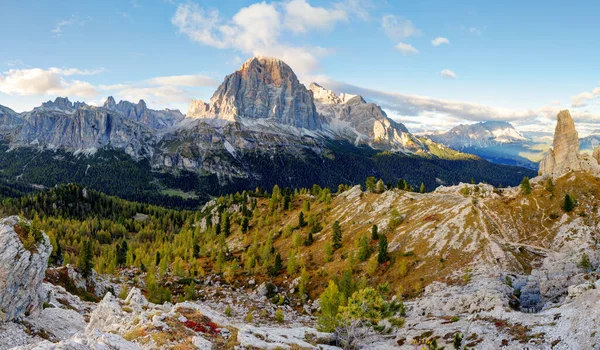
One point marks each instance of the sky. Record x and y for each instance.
(430, 64)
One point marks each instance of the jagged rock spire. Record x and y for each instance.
(564, 157)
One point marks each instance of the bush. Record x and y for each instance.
(279, 317)
(569, 203)
(525, 186)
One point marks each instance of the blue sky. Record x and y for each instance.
(510, 60)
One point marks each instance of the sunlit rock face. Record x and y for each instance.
(263, 88)
(564, 156)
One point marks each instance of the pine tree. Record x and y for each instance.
(382, 255)
(337, 235)
(364, 249)
(401, 185)
(347, 285)
(309, 239)
(245, 224)
(85, 263)
(301, 222)
(226, 224)
(370, 184)
(422, 188)
(380, 186)
(374, 233)
(525, 186)
(331, 300)
(58, 256)
(277, 266)
(569, 203)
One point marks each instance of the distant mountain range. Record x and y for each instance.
(261, 127)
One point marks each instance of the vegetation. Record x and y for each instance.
(525, 186)
(569, 203)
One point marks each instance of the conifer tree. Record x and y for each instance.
(525, 186)
(364, 249)
(382, 255)
(380, 186)
(85, 263)
(422, 188)
(309, 239)
(370, 184)
(569, 203)
(301, 222)
(374, 233)
(337, 235)
(277, 266)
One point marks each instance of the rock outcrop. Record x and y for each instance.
(564, 156)
(21, 270)
(263, 88)
(361, 122)
(141, 113)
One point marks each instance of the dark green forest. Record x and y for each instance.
(116, 173)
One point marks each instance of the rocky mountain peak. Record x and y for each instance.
(564, 156)
(566, 139)
(325, 96)
(141, 105)
(110, 103)
(263, 88)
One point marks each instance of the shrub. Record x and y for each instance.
(279, 317)
(569, 203)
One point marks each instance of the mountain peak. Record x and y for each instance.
(110, 102)
(565, 156)
(263, 88)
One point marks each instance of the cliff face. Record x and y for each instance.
(565, 157)
(263, 88)
(84, 129)
(141, 113)
(361, 122)
(21, 271)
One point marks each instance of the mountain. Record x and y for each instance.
(496, 141)
(260, 128)
(480, 135)
(352, 118)
(262, 89)
(141, 113)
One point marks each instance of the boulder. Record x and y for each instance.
(22, 271)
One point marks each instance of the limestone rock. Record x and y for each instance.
(141, 113)
(263, 88)
(564, 157)
(353, 118)
(21, 272)
(596, 154)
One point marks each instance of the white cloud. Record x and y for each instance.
(300, 16)
(13, 63)
(439, 41)
(397, 28)
(448, 74)
(184, 80)
(414, 108)
(257, 29)
(475, 31)
(74, 20)
(582, 99)
(52, 81)
(406, 49)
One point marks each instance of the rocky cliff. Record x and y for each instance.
(564, 156)
(21, 270)
(353, 118)
(141, 113)
(85, 129)
(263, 88)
